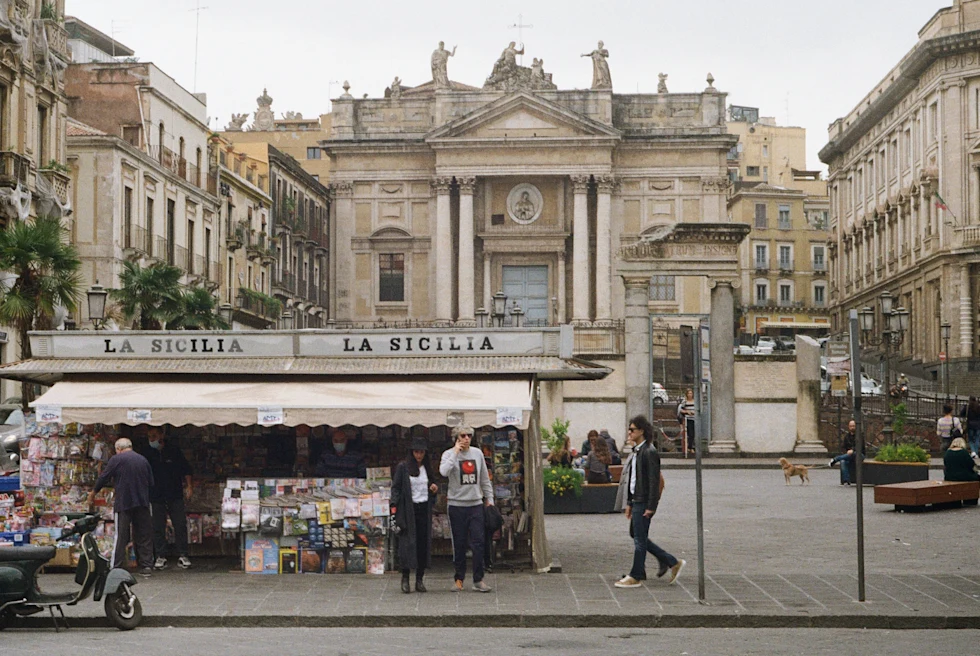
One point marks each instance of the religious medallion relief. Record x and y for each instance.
(524, 203)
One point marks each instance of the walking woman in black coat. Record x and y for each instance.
(413, 491)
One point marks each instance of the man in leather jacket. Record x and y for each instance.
(643, 492)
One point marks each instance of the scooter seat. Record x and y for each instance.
(27, 552)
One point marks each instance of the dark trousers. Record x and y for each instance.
(466, 523)
(422, 530)
(178, 518)
(642, 544)
(133, 525)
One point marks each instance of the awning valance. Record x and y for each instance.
(378, 403)
(797, 325)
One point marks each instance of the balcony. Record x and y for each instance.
(61, 183)
(57, 39)
(762, 265)
(180, 258)
(786, 266)
(969, 236)
(604, 340)
(820, 268)
(14, 169)
(162, 250)
(785, 303)
(135, 241)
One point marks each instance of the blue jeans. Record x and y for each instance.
(974, 436)
(846, 461)
(642, 544)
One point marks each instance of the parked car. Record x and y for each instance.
(658, 394)
(742, 349)
(785, 343)
(765, 345)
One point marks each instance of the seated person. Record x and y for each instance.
(846, 458)
(338, 462)
(562, 457)
(958, 465)
(597, 462)
(613, 449)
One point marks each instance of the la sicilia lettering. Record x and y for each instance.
(179, 345)
(420, 344)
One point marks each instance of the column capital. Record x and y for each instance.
(466, 184)
(734, 283)
(580, 183)
(606, 183)
(441, 184)
(636, 282)
(342, 189)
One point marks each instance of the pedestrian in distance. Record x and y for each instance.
(613, 448)
(846, 458)
(643, 498)
(948, 427)
(413, 491)
(469, 492)
(685, 417)
(970, 414)
(131, 476)
(562, 456)
(172, 484)
(598, 461)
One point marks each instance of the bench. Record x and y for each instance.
(918, 495)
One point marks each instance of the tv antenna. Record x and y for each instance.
(197, 32)
(520, 32)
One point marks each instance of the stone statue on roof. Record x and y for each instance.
(264, 118)
(440, 61)
(508, 75)
(236, 123)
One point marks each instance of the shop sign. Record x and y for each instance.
(172, 345)
(507, 416)
(139, 416)
(270, 416)
(49, 414)
(422, 343)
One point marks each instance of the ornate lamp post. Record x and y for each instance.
(96, 305)
(944, 331)
(894, 324)
(227, 313)
(286, 321)
(499, 308)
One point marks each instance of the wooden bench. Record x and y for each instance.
(917, 495)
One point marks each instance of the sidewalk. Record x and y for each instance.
(814, 460)
(198, 599)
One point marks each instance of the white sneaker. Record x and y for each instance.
(160, 563)
(675, 571)
(184, 562)
(628, 582)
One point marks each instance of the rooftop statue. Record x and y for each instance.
(601, 79)
(508, 75)
(440, 60)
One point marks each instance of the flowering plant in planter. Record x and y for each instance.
(902, 452)
(559, 480)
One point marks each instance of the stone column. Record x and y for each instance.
(637, 332)
(343, 257)
(487, 293)
(561, 288)
(580, 250)
(603, 257)
(443, 251)
(722, 367)
(466, 248)
(966, 312)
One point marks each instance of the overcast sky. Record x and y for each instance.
(805, 63)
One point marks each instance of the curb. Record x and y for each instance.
(678, 621)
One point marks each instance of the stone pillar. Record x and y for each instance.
(966, 312)
(487, 293)
(466, 246)
(637, 331)
(342, 257)
(808, 396)
(580, 250)
(722, 367)
(443, 252)
(562, 291)
(603, 257)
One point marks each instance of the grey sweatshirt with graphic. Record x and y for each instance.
(469, 482)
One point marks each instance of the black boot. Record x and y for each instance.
(406, 586)
(419, 583)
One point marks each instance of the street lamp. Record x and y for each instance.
(894, 324)
(944, 331)
(287, 320)
(227, 313)
(96, 305)
(499, 308)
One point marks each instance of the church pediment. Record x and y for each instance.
(521, 116)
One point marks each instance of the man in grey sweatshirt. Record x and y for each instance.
(469, 492)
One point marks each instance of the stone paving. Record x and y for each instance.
(775, 556)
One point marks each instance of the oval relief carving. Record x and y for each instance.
(524, 203)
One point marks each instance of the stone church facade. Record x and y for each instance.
(447, 194)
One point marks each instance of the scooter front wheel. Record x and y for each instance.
(123, 609)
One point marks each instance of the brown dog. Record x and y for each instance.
(790, 470)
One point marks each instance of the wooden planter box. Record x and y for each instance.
(919, 494)
(594, 499)
(886, 473)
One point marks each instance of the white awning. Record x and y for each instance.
(378, 403)
(798, 325)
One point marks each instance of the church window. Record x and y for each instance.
(662, 288)
(391, 277)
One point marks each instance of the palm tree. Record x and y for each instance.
(46, 271)
(149, 296)
(198, 312)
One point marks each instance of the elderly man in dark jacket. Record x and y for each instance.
(644, 497)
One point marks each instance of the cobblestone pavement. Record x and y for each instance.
(775, 556)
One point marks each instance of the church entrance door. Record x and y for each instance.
(528, 285)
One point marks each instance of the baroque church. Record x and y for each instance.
(448, 194)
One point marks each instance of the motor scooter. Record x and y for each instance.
(20, 594)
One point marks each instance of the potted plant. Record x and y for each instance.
(900, 462)
(562, 490)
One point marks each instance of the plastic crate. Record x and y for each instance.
(9, 483)
(18, 539)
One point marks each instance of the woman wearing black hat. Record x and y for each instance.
(413, 492)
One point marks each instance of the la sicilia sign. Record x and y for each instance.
(259, 344)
